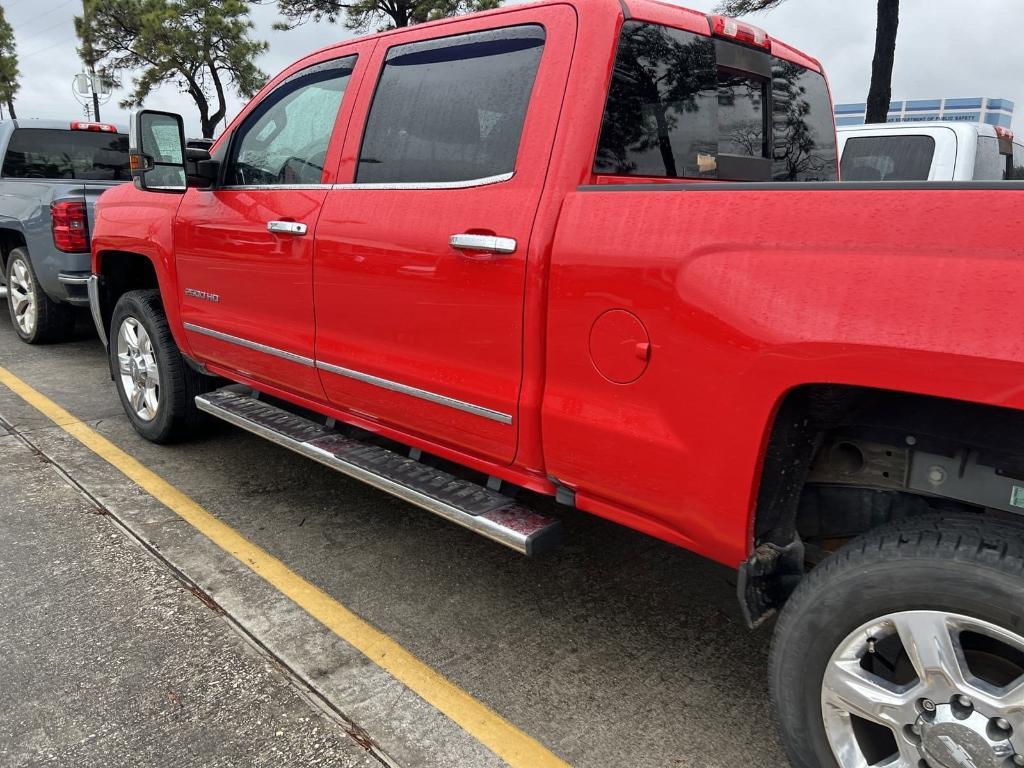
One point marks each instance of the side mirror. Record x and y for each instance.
(201, 171)
(157, 151)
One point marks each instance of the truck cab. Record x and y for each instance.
(930, 151)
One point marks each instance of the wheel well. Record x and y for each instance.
(122, 272)
(843, 460)
(9, 240)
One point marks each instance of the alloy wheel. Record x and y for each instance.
(926, 689)
(22, 297)
(138, 369)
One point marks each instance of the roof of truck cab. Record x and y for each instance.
(963, 131)
(53, 125)
(655, 11)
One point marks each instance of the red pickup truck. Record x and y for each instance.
(596, 251)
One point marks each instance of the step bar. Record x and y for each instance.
(476, 507)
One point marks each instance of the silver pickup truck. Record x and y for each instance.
(53, 171)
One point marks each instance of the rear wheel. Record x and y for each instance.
(156, 386)
(37, 318)
(906, 649)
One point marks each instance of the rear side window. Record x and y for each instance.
(989, 165)
(452, 109)
(888, 158)
(681, 105)
(41, 153)
(1018, 162)
(285, 139)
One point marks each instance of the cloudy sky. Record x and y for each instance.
(944, 50)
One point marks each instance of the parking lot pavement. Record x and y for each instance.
(614, 650)
(107, 660)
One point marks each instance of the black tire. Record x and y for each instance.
(176, 416)
(53, 321)
(959, 564)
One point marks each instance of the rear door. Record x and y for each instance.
(421, 259)
(244, 251)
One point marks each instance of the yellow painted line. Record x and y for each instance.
(489, 728)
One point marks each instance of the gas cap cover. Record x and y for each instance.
(620, 347)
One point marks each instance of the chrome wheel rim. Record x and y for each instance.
(926, 688)
(137, 366)
(22, 297)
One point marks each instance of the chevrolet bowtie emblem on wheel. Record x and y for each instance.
(204, 295)
(957, 754)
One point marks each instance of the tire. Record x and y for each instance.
(935, 578)
(37, 319)
(165, 411)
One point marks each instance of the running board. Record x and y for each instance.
(476, 507)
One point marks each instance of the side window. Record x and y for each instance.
(284, 140)
(451, 109)
(678, 106)
(989, 165)
(1018, 163)
(888, 158)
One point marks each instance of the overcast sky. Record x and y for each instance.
(944, 50)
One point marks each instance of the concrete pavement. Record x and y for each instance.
(614, 650)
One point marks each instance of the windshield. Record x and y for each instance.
(684, 105)
(41, 153)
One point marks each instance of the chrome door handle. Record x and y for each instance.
(286, 227)
(489, 243)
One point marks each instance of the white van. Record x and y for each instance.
(929, 151)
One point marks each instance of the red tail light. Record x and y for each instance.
(741, 32)
(70, 233)
(81, 125)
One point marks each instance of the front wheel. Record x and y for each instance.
(156, 386)
(905, 649)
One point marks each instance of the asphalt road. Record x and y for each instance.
(614, 650)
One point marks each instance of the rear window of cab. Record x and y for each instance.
(683, 105)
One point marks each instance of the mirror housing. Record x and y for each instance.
(201, 171)
(157, 152)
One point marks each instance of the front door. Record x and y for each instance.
(244, 251)
(421, 260)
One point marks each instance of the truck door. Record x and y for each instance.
(244, 250)
(421, 260)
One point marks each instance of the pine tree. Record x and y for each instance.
(8, 65)
(880, 92)
(367, 15)
(202, 47)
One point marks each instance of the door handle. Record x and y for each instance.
(488, 243)
(286, 227)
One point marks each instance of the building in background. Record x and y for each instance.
(977, 110)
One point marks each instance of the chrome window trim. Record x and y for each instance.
(465, 184)
(239, 187)
(254, 345)
(422, 394)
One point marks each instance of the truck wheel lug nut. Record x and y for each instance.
(1018, 760)
(964, 701)
(927, 705)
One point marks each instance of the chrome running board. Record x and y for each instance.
(473, 506)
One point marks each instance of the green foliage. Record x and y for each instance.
(368, 15)
(8, 64)
(201, 47)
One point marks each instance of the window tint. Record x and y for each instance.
(284, 140)
(888, 158)
(989, 164)
(451, 109)
(1018, 162)
(674, 110)
(804, 145)
(39, 153)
